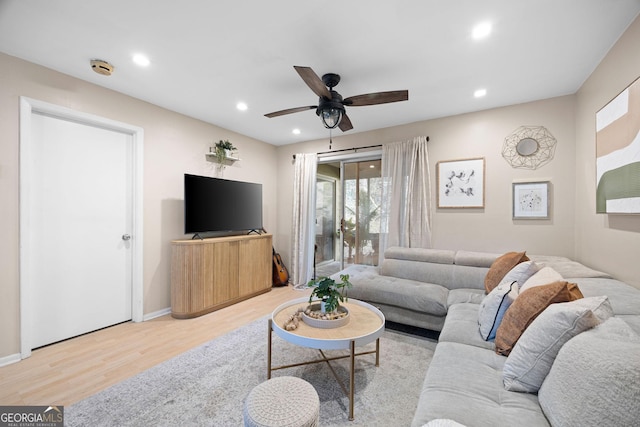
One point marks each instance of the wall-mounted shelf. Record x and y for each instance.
(228, 160)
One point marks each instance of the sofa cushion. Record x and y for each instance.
(464, 383)
(595, 379)
(461, 326)
(393, 291)
(427, 272)
(574, 269)
(544, 276)
(459, 296)
(438, 256)
(631, 320)
(467, 277)
(546, 260)
(494, 306)
(500, 267)
(527, 307)
(475, 259)
(624, 298)
(531, 358)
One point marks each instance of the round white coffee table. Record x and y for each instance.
(366, 325)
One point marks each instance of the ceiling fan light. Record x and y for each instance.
(331, 117)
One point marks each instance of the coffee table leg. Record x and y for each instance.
(269, 349)
(352, 381)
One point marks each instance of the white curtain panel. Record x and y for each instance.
(406, 195)
(304, 216)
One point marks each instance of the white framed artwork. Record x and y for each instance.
(531, 200)
(460, 183)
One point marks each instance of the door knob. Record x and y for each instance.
(126, 237)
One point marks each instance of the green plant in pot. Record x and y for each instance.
(222, 147)
(330, 292)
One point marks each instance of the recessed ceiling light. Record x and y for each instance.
(241, 106)
(481, 30)
(480, 93)
(141, 60)
(296, 131)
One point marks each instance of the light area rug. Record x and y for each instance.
(207, 386)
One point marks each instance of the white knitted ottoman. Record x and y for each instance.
(282, 402)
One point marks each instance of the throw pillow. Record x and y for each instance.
(544, 276)
(521, 272)
(531, 358)
(527, 307)
(494, 306)
(595, 379)
(501, 267)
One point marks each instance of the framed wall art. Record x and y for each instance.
(618, 153)
(460, 183)
(531, 200)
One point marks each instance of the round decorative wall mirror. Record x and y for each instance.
(529, 147)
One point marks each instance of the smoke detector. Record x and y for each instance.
(101, 67)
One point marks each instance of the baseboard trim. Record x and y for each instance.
(155, 314)
(10, 359)
(14, 358)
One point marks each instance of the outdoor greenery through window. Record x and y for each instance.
(362, 201)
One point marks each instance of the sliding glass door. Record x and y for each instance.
(348, 194)
(360, 226)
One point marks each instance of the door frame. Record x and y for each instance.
(28, 107)
(361, 156)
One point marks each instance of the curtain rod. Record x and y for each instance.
(345, 149)
(348, 149)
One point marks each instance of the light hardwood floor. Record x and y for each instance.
(69, 371)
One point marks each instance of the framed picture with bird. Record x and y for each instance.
(460, 183)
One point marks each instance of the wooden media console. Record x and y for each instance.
(210, 274)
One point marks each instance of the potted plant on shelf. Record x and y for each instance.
(329, 292)
(223, 150)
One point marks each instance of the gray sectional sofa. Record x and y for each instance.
(442, 290)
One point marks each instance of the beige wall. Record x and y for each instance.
(479, 134)
(173, 145)
(607, 242)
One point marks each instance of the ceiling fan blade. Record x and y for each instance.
(313, 81)
(290, 110)
(345, 123)
(377, 98)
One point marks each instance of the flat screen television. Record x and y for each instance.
(221, 205)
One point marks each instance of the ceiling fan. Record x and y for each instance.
(331, 105)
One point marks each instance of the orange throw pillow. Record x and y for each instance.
(527, 307)
(500, 267)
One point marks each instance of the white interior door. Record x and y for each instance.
(79, 211)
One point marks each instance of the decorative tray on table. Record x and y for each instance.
(314, 317)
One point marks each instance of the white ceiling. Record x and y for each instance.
(208, 55)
